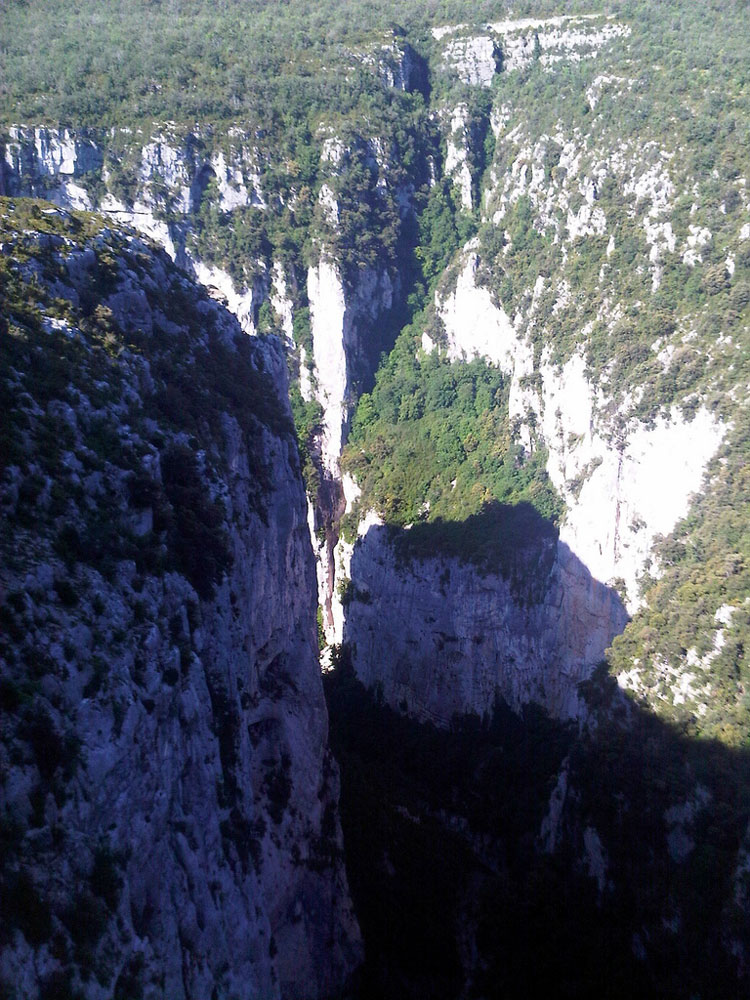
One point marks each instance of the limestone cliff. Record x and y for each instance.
(168, 802)
(155, 181)
(505, 46)
(159, 182)
(625, 480)
(584, 236)
(440, 637)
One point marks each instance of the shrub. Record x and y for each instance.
(66, 592)
(197, 537)
(105, 880)
(25, 908)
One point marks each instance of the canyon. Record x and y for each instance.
(226, 288)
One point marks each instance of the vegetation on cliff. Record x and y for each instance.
(432, 441)
(122, 387)
(610, 217)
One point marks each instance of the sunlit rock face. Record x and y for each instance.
(395, 62)
(339, 322)
(173, 172)
(243, 302)
(168, 172)
(513, 44)
(57, 154)
(624, 481)
(438, 636)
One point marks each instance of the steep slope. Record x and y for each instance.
(442, 636)
(518, 856)
(168, 802)
(299, 233)
(607, 281)
(608, 284)
(537, 495)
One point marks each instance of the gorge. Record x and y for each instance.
(440, 337)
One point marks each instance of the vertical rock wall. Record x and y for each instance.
(164, 750)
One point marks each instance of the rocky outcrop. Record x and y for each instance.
(457, 165)
(475, 60)
(339, 324)
(158, 182)
(440, 637)
(154, 182)
(625, 481)
(396, 63)
(514, 44)
(37, 159)
(244, 303)
(626, 489)
(603, 456)
(167, 793)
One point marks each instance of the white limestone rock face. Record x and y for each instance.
(514, 44)
(325, 291)
(172, 168)
(328, 203)
(335, 569)
(457, 156)
(141, 217)
(181, 163)
(595, 857)
(48, 163)
(338, 322)
(474, 326)
(561, 39)
(243, 302)
(192, 698)
(624, 483)
(396, 63)
(475, 60)
(633, 490)
(441, 637)
(57, 154)
(238, 180)
(281, 300)
(165, 164)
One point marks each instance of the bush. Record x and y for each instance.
(66, 592)
(197, 536)
(105, 880)
(25, 908)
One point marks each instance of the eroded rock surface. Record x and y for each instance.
(171, 799)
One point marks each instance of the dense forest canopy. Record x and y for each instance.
(84, 62)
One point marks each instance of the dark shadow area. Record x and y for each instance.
(204, 176)
(377, 336)
(457, 897)
(415, 229)
(496, 539)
